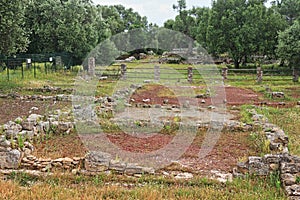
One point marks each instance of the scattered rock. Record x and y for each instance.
(277, 95)
(221, 177)
(146, 100)
(10, 159)
(184, 175)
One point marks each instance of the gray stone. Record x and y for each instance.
(275, 159)
(257, 166)
(3, 142)
(10, 159)
(293, 190)
(12, 129)
(64, 126)
(133, 169)
(148, 170)
(26, 134)
(277, 95)
(44, 127)
(117, 166)
(97, 161)
(222, 177)
(184, 175)
(200, 96)
(288, 179)
(28, 125)
(291, 168)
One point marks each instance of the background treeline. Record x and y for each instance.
(238, 29)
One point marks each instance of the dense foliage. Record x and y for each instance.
(239, 29)
(13, 35)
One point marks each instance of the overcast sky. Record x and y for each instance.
(156, 11)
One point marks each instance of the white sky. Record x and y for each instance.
(156, 11)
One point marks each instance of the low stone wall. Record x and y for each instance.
(16, 136)
(46, 164)
(58, 97)
(278, 162)
(99, 161)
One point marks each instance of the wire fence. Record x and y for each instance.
(193, 75)
(33, 65)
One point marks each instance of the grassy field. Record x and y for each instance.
(23, 186)
(288, 119)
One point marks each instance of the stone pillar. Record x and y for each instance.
(91, 66)
(190, 74)
(58, 61)
(224, 73)
(259, 74)
(156, 73)
(295, 75)
(123, 71)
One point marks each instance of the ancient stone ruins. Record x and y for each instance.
(16, 148)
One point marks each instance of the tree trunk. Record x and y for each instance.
(236, 64)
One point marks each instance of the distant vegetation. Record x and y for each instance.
(238, 29)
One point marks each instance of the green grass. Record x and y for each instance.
(60, 78)
(288, 119)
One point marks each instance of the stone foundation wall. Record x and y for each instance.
(278, 162)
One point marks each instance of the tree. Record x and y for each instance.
(273, 22)
(199, 30)
(289, 45)
(290, 9)
(238, 27)
(193, 22)
(62, 26)
(184, 22)
(13, 36)
(119, 19)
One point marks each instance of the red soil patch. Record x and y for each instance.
(234, 96)
(225, 154)
(59, 146)
(10, 109)
(140, 145)
(240, 96)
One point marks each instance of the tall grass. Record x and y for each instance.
(147, 187)
(288, 119)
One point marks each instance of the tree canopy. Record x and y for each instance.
(13, 35)
(289, 45)
(237, 28)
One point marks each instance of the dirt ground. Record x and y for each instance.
(10, 109)
(233, 95)
(229, 149)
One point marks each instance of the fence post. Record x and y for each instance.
(190, 74)
(156, 73)
(22, 71)
(295, 75)
(123, 71)
(91, 66)
(45, 65)
(224, 73)
(7, 71)
(34, 70)
(259, 74)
